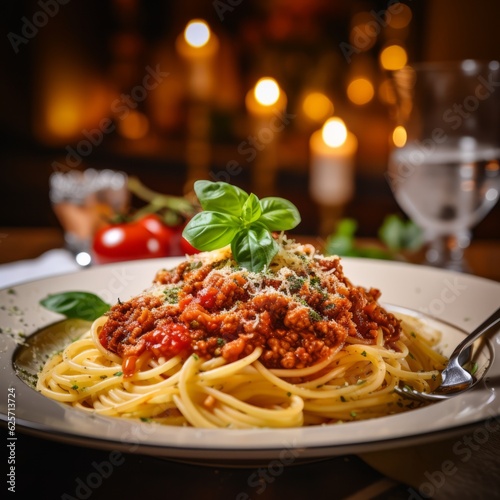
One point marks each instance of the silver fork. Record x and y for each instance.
(455, 378)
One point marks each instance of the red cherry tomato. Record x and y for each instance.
(186, 247)
(145, 238)
(181, 246)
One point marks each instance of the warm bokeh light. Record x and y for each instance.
(267, 91)
(334, 132)
(197, 33)
(393, 57)
(64, 115)
(317, 106)
(134, 126)
(360, 91)
(401, 19)
(399, 136)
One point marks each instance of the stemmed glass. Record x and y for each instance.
(446, 176)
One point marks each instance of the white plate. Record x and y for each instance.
(458, 303)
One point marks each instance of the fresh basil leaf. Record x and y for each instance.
(254, 247)
(211, 230)
(78, 305)
(278, 214)
(220, 197)
(251, 210)
(232, 216)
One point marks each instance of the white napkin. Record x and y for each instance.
(51, 263)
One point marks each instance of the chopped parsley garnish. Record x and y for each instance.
(363, 354)
(196, 357)
(314, 316)
(296, 282)
(220, 341)
(172, 295)
(118, 374)
(344, 400)
(315, 282)
(195, 265)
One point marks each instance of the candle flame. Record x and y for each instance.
(197, 33)
(334, 132)
(267, 91)
(399, 136)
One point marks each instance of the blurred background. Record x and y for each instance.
(114, 84)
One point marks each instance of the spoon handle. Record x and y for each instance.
(480, 330)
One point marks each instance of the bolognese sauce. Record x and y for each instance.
(298, 311)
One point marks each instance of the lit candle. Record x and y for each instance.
(333, 150)
(264, 103)
(198, 46)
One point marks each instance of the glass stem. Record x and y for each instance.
(447, 251)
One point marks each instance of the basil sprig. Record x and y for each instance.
(232, 216)
(77, 305)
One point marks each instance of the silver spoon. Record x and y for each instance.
(455, 378)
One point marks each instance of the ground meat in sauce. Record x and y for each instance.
(297, 317)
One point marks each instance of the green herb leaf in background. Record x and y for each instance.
(395, 235)
(398, 234)
(78, 305)
(343, 243)
(232, 216)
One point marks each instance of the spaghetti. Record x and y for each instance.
(213, 345)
